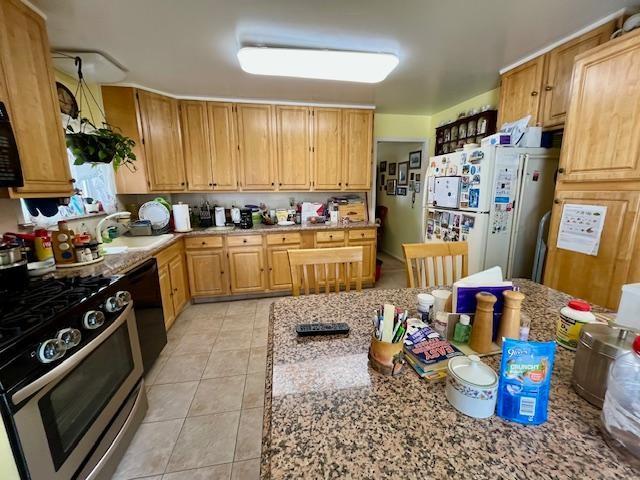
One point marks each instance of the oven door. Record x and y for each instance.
(70, 407)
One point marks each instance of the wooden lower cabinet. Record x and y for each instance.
(597, 278)
(278, 264)
(207, 272)
(368, 258)
(247, 269)
(174, 288)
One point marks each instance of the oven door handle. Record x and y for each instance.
(69, 364)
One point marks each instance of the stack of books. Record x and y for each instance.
(428, 352)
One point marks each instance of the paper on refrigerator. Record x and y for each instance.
(581, 228)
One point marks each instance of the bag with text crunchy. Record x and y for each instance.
(525, 379)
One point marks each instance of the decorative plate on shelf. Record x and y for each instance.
(156, 213)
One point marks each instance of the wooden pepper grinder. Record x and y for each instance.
(510, 321)
(482, 331)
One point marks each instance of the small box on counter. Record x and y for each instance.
(499, 138)
(355, 212)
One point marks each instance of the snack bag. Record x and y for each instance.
(525, 379)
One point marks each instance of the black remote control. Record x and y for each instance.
(309, 329)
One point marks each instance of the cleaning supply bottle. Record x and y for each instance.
(463, 330)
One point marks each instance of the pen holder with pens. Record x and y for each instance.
(386, 358)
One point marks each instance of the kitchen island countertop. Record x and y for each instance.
(328, 415)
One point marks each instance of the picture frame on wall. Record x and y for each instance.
(382, 180)
(403, 173)
(391, 186)
(411, 176)
(415, 159)
(383, 166)
(416, 186)
(401, 191)
(392, 169)
(417, 177)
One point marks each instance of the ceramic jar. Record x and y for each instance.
(472, 386)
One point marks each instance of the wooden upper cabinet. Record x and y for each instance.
(256, 146)
(293, 144)
(224, 145)
(596, 278)
(327, 149)
(602, 138)
(559, 66)
(161, 136)
(520, 92)
(357, 142)
(30, 97)
(195, 143)
(121, 111)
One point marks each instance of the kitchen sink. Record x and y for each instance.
(219, 229)
(127, 244)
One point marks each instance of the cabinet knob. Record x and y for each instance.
(284, 239)
(534, 93)
(330, 236)
(548, 88)
(339, 184)
(244, 240)
(346, 184)
(222, 273)
(561, 170)
(204, 243)
(272, 184)
(211, 184)
(262, 269)
(72, 180)
(362, 234)
(182, 183)
(556, 201)
(175, 289)
(215, 184)
(279, 184)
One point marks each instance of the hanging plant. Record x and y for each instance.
(95, 145)
(100, 145)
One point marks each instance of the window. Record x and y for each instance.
(96, 182)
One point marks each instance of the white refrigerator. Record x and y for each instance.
(493, 198)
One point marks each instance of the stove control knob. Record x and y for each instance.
(69, 337)
(50, 350)
(124, 297)
(113, 304)
(93, 319)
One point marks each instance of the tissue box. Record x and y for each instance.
(496, 139)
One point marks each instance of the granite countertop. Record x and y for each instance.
(121, 262)
(328, 415)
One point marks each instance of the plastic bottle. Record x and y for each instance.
(463, 329)
(621, 409)
(425, 302)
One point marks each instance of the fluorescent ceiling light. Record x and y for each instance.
(320, 64)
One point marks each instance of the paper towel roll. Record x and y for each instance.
(181, 220)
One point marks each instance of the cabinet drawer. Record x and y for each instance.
(283, 238)
(239, 240)
(369, 233)
(332, 236)
(203, 242)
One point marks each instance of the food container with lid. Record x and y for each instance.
(472, 386)
(573, 317)
(599, 345)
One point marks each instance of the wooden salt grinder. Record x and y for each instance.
(510, 321)
(482, 330)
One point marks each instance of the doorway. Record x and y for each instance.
(400, 167)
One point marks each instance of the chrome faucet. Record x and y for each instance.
(117, 215)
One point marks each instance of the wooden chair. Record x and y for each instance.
(435, 263)
(326, 258)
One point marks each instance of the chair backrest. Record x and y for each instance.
(433, 264)
(326, 262)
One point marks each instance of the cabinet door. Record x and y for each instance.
(224, 145)
(256, 146)
(520, 92)
(32, 103)
(368, 258)
(246, 269)
(166, 292)
(598, 278)
(601, 137)
(161, 137)
(557, 82)
(293, 145)
(327, 149)
(195, 142)
(279, 270)
(178, 283)
(207, 272)
(357, 138)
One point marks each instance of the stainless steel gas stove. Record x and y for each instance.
(71, 383)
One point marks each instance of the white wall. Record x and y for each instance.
(404, 219)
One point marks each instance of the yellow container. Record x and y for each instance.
(572, 318)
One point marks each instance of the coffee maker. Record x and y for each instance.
(246, 221)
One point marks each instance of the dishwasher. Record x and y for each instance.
(144, 286)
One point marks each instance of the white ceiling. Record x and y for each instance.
(449, 50)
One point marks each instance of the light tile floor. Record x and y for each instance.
(206, 397)
(206, 393)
